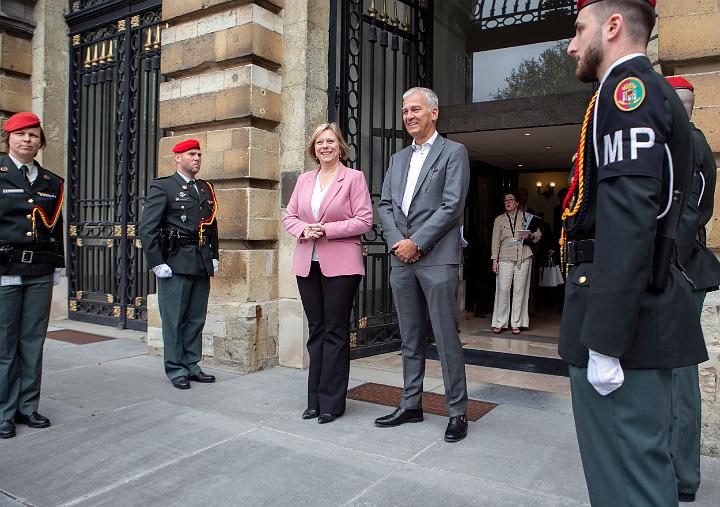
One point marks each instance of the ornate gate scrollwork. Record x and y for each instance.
(378, 49)
(115, 75)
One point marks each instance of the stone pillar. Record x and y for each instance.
(16, 58)
(304, 105)
(49, 83)
(221, 59)
(689, 44)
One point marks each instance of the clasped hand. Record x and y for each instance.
(314, 231)
(406, 251)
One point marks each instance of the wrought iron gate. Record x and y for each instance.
(113, 136)
(377, 51)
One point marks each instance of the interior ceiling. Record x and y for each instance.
(512, 150)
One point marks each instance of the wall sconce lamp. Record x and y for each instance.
(546, 190)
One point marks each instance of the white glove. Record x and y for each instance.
(216, 265)
(56, 276)
(604, 373)
(162, 271)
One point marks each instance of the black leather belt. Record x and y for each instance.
(189, 240)
(580, 251)
(33, 257)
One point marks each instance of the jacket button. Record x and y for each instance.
(28, 234)
(31, 200)
(582, 280)
(182, 207)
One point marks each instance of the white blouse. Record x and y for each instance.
(315, 202)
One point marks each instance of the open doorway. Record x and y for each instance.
(536, 161)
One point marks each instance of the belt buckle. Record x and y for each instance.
(571, 253)
(27, 256)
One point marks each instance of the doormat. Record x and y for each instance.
(76, 337)
(381, 394)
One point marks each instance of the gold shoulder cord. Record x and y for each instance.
(578, 182)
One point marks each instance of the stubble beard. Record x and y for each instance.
(588, 65)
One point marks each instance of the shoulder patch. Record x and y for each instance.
(629, 94)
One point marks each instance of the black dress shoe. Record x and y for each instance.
(310, 413)
(7, 429)
(326, 418)
(400, 416)
(686, 497)
(33, 420)
(181, 382)
(203, 378)
(456, 429)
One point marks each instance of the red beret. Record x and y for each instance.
(585, 3)
(679, 82)
(21, 121)
(189, 144)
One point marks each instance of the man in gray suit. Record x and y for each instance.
(421, 210)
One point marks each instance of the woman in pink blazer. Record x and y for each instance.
(328, 212)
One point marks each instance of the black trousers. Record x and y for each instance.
(327, 301)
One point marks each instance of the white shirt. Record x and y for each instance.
(32, 168)
(315, 202)
(416, 162)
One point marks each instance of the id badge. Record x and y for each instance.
(8, 280)
(514, 242)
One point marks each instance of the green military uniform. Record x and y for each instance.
(703, 268)
(27, 263)
(638, 133)
(174, 206)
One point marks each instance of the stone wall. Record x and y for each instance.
(695, 53)
(222, 61)
(304, 103)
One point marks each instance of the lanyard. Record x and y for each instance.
(513, 223)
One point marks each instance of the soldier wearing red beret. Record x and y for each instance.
(179, 235)
(627, 301)
(703, 268)
(31, 256)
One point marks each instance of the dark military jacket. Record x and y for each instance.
(173, 205)
(18, 203)
(700, 264)
(639, 131)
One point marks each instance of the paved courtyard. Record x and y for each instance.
(122, 435)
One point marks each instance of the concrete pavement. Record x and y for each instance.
(122, 435)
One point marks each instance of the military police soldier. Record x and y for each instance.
(703, 268)
(629, 315)
(31, 255)
(179, 234)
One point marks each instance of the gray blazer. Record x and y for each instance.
(436, 210)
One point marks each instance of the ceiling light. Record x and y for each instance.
(519, 165)
(548, 147)
(527, 134)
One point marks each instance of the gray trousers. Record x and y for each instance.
(687, 422)
(183, 301)
(624, 439)
(417, 291)
(24, 316)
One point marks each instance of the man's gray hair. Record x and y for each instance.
(430, 95)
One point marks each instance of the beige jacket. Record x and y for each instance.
(502, 247)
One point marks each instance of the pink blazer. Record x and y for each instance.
(346, 212)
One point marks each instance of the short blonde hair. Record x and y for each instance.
(344, 148)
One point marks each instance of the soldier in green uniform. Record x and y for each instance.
(629, 316)
(703, 268)
(178, 231)
(31, 255)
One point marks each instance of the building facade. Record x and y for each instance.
(118, 82)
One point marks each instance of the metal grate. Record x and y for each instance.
(381, 394)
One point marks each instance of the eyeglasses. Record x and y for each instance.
(509, 200)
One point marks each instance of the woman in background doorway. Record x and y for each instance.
(512, 262)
